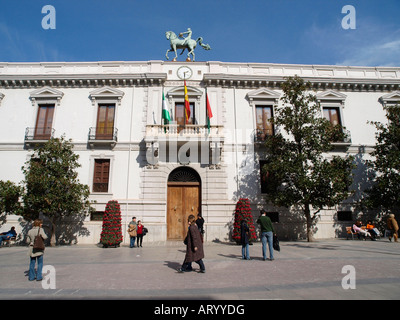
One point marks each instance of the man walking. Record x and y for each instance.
(267, 234)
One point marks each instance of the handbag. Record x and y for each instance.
(145, 231)
(275, 243)
(38, 243)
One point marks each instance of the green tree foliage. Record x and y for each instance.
(10, 194)
(385, 190)
(52, 186)
(299, 172)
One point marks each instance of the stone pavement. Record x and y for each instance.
(300, 271)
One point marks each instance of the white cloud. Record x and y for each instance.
(369, 44)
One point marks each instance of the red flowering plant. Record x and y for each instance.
(111, 234)
(243, 212)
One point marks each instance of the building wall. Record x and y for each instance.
(141, 187)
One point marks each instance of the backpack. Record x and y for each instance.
(38, 243)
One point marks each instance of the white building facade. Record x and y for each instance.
(160, 173)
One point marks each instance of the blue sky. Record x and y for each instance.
(272, 31)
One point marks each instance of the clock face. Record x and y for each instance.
(184, 72)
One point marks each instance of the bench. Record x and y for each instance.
(10, 241)
(349, 231)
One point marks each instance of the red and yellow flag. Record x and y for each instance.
(187, 105)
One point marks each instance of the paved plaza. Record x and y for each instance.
(300, 271)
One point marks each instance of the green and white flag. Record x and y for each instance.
(165, 112)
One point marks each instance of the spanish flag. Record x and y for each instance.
(187, 105)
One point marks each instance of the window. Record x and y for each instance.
(101, 175)
(105, 122)
(274, 216)
(344, 216)
(97, 216)
(266, 179)
(263, 122)
(44, 121)
(180, 114)
(332, 114)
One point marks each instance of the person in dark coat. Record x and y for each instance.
(194, 247)
(244, 239)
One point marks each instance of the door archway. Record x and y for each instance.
(183, 199)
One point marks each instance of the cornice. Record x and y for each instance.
(81, 80)
(318, 83)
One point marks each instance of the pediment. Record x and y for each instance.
(46, 93)
(263, 94)
(107, 92)
(393, 97)
(180, 91)
(331, 95)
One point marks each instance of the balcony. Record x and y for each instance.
(261, 135)
(102, 137)
(174, 131)
(184, 144)
(38, 135)
(343, 142)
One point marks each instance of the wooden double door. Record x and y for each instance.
(183, 200)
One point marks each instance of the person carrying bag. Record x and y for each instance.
(35, 239)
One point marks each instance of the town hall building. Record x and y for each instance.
(161, 173)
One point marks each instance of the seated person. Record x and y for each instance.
(357, 228)
(7, 235)
(372, 230)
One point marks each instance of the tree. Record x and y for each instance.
(243, 212)
(52, 187)
(385, 189)
(299, 173)
(111, 234)
(10, 194)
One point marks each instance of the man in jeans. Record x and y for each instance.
(267, 234)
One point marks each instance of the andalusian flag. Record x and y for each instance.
(187, 105)
(165, 112)
(209, 113)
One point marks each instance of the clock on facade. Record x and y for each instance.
(184, 73)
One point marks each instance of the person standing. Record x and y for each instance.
(139, 233)
(200, 225)
(35, 255)
(132, 230)
(244, 239)
(267, 235)
(393, 226)
(194, 247)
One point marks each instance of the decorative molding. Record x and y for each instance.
(106, 93)
(391, 98)
(46, 95)
(263, 94)
(331, 95)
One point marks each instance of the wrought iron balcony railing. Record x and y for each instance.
(103, 134)
(39, 133)
(261, 135)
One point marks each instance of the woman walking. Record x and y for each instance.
(35, 255)
(194, 247)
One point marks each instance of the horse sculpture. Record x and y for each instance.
(186, 43)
